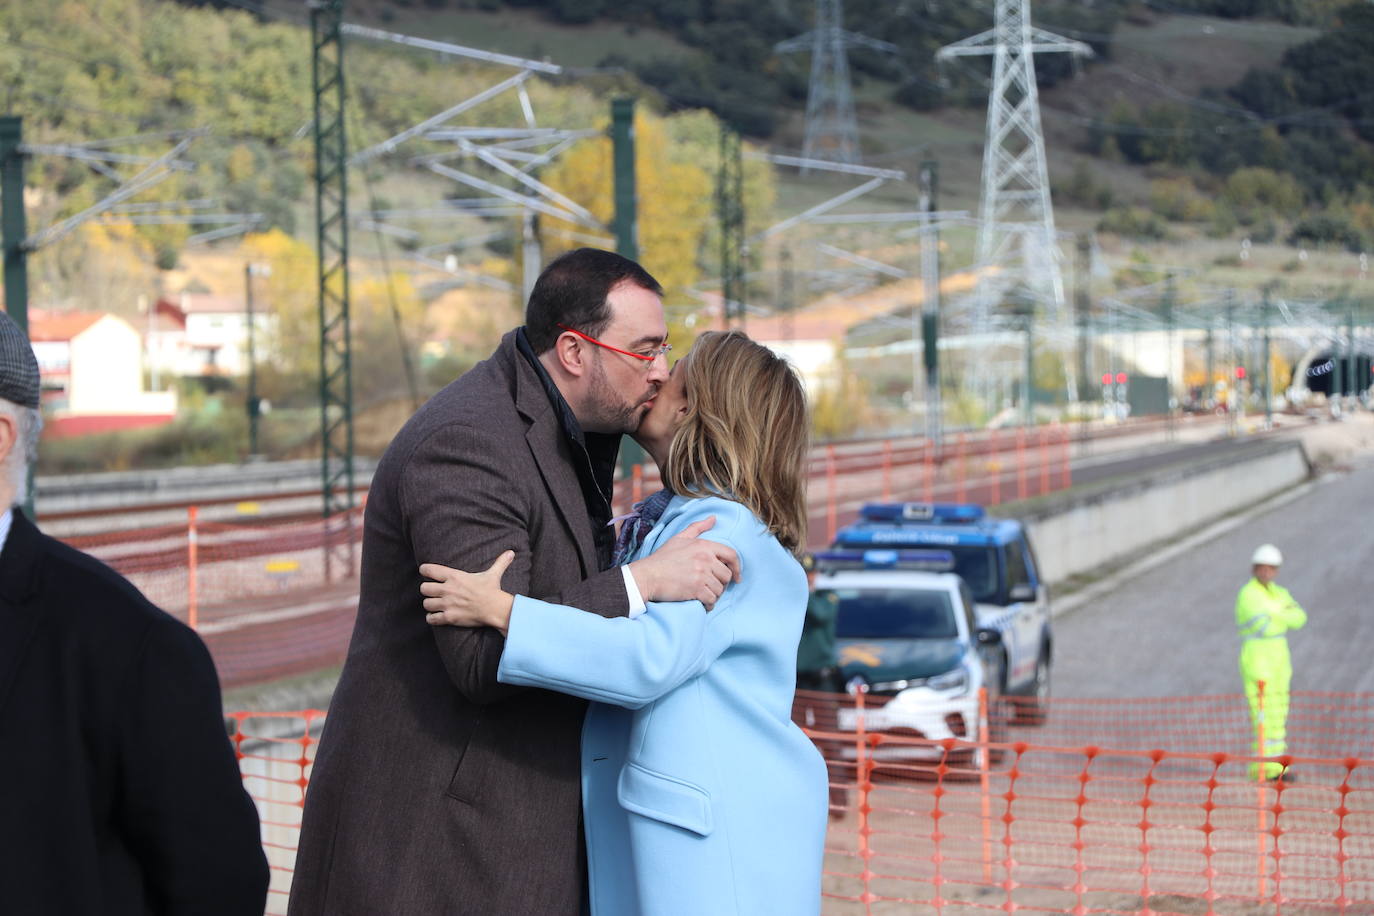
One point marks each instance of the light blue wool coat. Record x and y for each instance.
(700, 796)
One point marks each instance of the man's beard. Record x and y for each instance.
(609, 412)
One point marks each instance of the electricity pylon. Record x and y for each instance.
(832, 131)
(1016, 235)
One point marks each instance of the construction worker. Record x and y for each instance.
(1264, 613)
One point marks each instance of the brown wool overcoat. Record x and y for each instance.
(437, 790)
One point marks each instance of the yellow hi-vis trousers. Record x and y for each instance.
(1267, 661)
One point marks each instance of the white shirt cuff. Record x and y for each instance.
(637, 605)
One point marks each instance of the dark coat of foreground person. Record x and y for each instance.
(119, 791)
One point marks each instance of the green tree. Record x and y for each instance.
(1255, 193)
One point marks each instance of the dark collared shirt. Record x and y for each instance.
(594, 456)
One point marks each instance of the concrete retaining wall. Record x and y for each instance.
(1085, 531)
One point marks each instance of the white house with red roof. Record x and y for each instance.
(91, 364)
(202, 336)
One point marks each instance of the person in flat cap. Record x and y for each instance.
(119, 789)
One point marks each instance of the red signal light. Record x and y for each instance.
(1240, 372)
(1121, 378)
(1106, 378)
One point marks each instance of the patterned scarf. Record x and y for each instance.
(638, 523)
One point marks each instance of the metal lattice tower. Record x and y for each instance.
(331, 213)
(832, 131)
(1016, 235)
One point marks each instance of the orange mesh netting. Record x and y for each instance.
(1158, 824)
(272, 597)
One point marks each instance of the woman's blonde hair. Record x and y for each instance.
(746, 432)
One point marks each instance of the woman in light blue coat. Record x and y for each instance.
(701, 797)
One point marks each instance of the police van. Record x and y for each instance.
(1009, 630)
(907, 632)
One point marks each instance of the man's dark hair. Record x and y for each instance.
(572, 291)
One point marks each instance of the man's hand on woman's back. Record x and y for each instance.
(687, 567)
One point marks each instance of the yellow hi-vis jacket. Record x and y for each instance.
(1263, 616)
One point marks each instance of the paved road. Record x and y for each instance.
(1170, 631)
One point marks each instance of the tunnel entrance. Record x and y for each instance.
(1330, 374)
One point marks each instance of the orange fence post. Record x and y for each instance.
(937, 835)
(1341, 834)
(830, 524)
(996, 471)
(191, 550)
(887, 470)
(984, 784)
(960, 471)
(1260, 774)
(1066, 476)
(636, 483)
(1044, 460)
(1022, 488)
(862, 768)
(1146, 869)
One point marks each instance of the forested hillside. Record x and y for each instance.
(1197, 124)
(118, 76)
(1283, 149)
(83, 71)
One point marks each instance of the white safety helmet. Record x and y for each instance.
(1267, 555)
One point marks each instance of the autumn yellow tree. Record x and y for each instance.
(386, 313)
(675, 201)
(287, 292)
(841, 404)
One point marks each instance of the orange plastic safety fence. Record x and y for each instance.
(964, 826)
(256, 591)
(1318, 724)
(982, 468)
(259, 589)
(276, 752)
(1025, 824)
(236, 562)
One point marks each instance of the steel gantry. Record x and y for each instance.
(498, 161)
(331, 221)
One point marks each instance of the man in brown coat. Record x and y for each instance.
(437, 790)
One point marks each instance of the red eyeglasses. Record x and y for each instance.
(649, 357)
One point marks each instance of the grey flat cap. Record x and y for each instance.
(18, 367)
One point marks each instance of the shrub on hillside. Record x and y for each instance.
(1328, 229)
(1084, 188)
(1178, 199)
(1256, 193)
(1135, 223)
